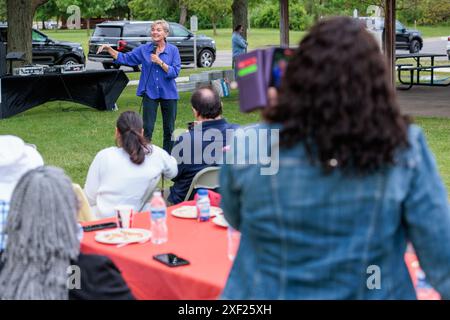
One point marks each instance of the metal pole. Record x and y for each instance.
(389, 23)
(195, 50)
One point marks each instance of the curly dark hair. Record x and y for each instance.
(336, 98)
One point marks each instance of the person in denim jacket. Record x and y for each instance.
(356, 181)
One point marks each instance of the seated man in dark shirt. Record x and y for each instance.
(203, 144)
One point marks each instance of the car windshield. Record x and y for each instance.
(101, 31)
(38, 37)
(178, 31)
(137, 30)
(398, 26)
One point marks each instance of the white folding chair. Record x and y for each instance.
(207, 178)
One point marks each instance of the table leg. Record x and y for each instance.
(418, 71)
(432, 70)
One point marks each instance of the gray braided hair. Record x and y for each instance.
(42, 236)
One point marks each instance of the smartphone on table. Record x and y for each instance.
(171, 260)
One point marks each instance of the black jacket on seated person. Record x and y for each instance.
(187, 171)
(100, 280)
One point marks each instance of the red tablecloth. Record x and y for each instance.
(413, 267)
(204, 244)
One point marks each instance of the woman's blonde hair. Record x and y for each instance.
(163, 23)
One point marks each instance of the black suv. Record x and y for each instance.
(404, 39)
(50, 52)
(124, 36)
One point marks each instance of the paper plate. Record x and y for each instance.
(220, 221)
(190, 212)
(216, 211)
(119, 236)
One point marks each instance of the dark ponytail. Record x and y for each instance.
(132, 141)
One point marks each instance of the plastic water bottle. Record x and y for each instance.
(158, 211)
(203, 205)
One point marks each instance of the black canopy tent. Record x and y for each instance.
(389, 40)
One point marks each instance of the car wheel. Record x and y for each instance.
(136, 69)
(414, 46)
(205, 59)
(70, 61)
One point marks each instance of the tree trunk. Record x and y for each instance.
(240, 13)
(88, 25)
(63, 22)
(43, 24)
(183, 14)
(214, 24)
(20, 22)
(284, 23)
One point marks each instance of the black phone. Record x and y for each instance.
(171, 260)
(95, 227)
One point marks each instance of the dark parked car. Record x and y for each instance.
(51, 52)
(124, 36)
(404, 39)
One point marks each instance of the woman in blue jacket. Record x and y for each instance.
(355, 183)
(161, 64)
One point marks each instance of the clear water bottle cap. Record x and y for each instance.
(157, 193)
(202, 192)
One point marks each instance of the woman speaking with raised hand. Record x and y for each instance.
(161, 64)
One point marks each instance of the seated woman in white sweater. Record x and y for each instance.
(120, 175)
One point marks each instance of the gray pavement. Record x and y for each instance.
(425, 101)
(223, 59)
(418, 101)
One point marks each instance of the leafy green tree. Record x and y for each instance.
(20, 21)
(436, 11)
(47, 11)
(2, 10)
(89, 8)
(170, 10)
(214, 10)
(119, 9)
(266, 14)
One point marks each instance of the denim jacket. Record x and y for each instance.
(308, 235)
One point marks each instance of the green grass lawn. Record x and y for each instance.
(256, 38)
(437, 131)
(69, 135)
(183, 73)
(433, 31)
